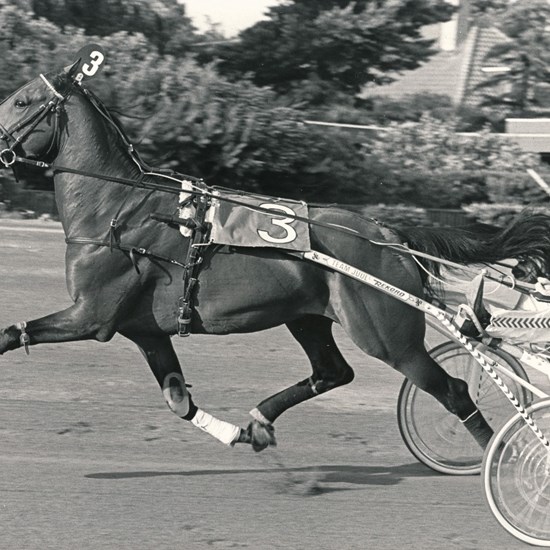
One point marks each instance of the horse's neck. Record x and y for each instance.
(86, 204)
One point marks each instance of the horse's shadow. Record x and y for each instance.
(327, 475)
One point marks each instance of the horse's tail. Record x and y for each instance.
(528, 236)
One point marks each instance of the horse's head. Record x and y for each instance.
(30, 118)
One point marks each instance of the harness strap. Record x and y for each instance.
(193, 263)
(7, 156)
(130, 249)
(190, 267)
(399, 247)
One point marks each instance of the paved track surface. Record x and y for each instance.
(91, 458)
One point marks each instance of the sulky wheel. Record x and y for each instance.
(435, 436)
(516, 477)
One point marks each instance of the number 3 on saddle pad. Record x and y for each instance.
(289, 234)
(265, 224)
(90, 60)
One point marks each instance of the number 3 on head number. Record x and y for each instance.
(283, 223)
(96, 59)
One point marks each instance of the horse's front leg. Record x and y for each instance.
(78, 322)
(164, 363)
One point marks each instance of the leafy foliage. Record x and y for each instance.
(184, 115)
(430, 145)
(313, 50)
(429, 164)
(31, 43)
(162, 22)
(517, 186)
(410, 107)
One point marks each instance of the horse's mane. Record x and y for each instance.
(108, 114)
(63, 82)
(106, 111)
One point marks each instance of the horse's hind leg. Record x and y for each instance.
(330, 370)
(401, 345)
(451, 392)
(163, 361)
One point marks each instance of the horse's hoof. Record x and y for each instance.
(261, 435)
(243, 437)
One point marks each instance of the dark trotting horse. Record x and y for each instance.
(54, 119)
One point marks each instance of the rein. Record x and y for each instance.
(140, 184)
(8, 157)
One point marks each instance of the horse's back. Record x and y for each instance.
(363, 242)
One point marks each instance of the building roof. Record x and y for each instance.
(452, 73)
(485, 39)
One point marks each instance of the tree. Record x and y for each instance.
(488, 8)
(524, 58)
(31, 45)
(316, 49)
(186, 116)
(163, 22)
(237, 135)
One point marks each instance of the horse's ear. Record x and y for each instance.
(71, 70)
(89, 62)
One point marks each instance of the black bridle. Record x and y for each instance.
(8, 156)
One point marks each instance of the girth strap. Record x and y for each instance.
(193, 262)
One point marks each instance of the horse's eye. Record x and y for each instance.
(20, 103)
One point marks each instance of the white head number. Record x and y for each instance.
(90, 60)
(96, 59)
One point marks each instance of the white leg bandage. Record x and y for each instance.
(223, 431)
